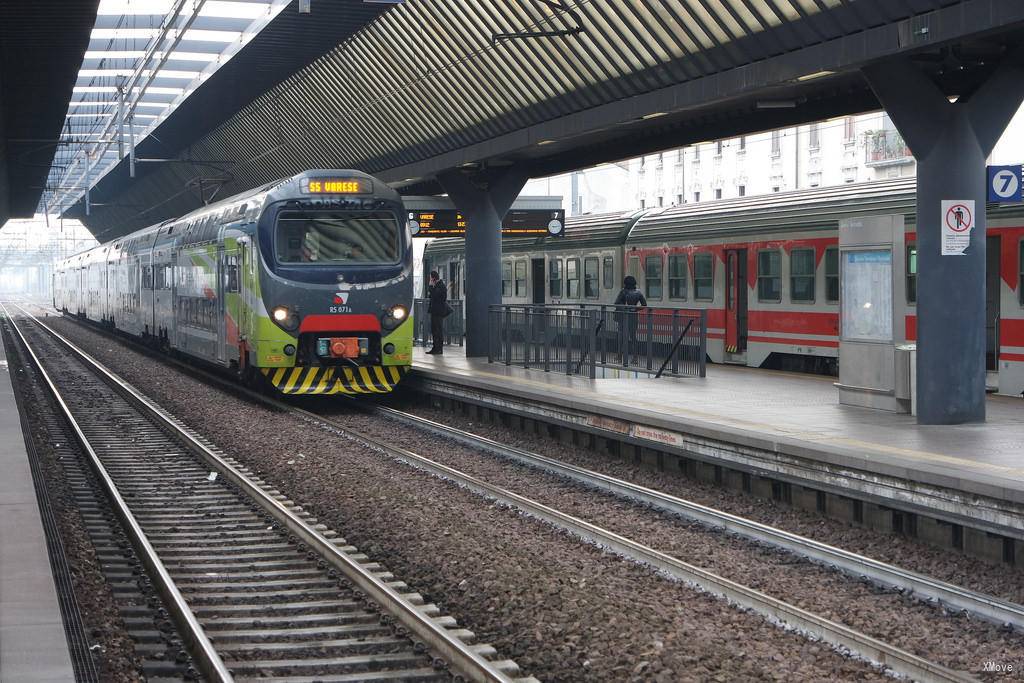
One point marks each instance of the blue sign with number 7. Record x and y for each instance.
(1005, 183)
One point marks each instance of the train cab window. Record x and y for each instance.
(555, 278)
(832, 275)
(677, 276)
(912, 274)
(572, 278)
(333, 237)
(591, 288)
(769, 275)
(506, 278)
(801, 275)
(520, 278)
(608, 273)
(703, 277)
(653, 266)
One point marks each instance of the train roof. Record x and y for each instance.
(588, 230)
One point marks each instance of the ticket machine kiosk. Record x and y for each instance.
(873, 371)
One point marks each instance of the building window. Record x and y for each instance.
(661, 201)
(718, 193)
(832, 275)
(643, 203)
(743, 143)
(814, 139)
(775, 188)
(608, 272)
(652, 276)
(696, 197)
(703, 277)
(718, 148)
(776, 143)
(520, 278)
(769, 275)
(849, 129)
(743, 190)
(679, 199)
(677, 276)
(801, 275)
(555, 277)
(572, 278)
(590, 278)
(912, 274)
(506, 279)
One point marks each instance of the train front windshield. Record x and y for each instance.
(338, 238)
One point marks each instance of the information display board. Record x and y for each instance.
(867, 302)
(522, 222)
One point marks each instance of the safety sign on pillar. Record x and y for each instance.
(957, 224)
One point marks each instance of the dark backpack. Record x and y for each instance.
(632, 297)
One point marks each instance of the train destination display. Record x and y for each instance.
(521, 222)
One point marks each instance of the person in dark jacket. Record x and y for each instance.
(632, 298)
(437, 307)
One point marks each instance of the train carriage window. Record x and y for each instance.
(506, 278)
(912, 274)
(801, 275)
(591, 289)
(520, 278)
(677, 276)
(572, 278)
(555, 277)
(832, 275)
(769, 275)
(147, 277)
(703, 277)
(653, 267)
(608, 273)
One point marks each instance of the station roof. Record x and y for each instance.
(37, 73)
(432, 86)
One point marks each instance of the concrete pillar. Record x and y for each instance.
(951, 142)
(482, 198)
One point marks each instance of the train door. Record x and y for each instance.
(454, 286)
(736, 301)
(229, 307)
(539, 281)
(992, 297)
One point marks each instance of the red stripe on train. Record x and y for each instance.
(795, 342)
(824, 324)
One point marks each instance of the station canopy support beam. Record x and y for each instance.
(483, 198)
(951, 142)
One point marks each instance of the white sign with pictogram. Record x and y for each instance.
(957, 224)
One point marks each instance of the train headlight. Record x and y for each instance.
(280, 314)
(285, 317)
(394, 316)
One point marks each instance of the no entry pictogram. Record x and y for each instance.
(959, 218)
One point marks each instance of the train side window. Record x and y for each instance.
(520, 278)
(832, 275)
(703, 277)
(653, 266)
(1020, 268)
(911, 273)
(147, 277)
(232, 273)
(506, 278)
(677, 276)
(591, 290)
(608, 273)
(801, 275)
(769, 275)
(572, 278)
(555, 277)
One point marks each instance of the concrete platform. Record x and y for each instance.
(784, 425)
(33, 645)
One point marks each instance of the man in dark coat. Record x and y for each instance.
(437, 293)
(629, 299)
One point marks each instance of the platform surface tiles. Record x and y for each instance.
(33, 646)
(789, 413)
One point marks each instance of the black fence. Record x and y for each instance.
(577, 340)
(454, 325)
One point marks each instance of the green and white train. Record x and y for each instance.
(304, 283)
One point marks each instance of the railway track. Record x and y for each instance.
(836, 634)
(256, 588)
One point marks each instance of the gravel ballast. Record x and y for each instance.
(564, 610)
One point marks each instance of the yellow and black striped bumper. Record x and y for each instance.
(335, 380)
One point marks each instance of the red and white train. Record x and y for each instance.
(766, 268)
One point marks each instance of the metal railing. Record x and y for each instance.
(577, 340)
(454, 325)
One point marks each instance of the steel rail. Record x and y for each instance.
(209, 662)
(985, 606)
(834, 633)
(461, 657)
